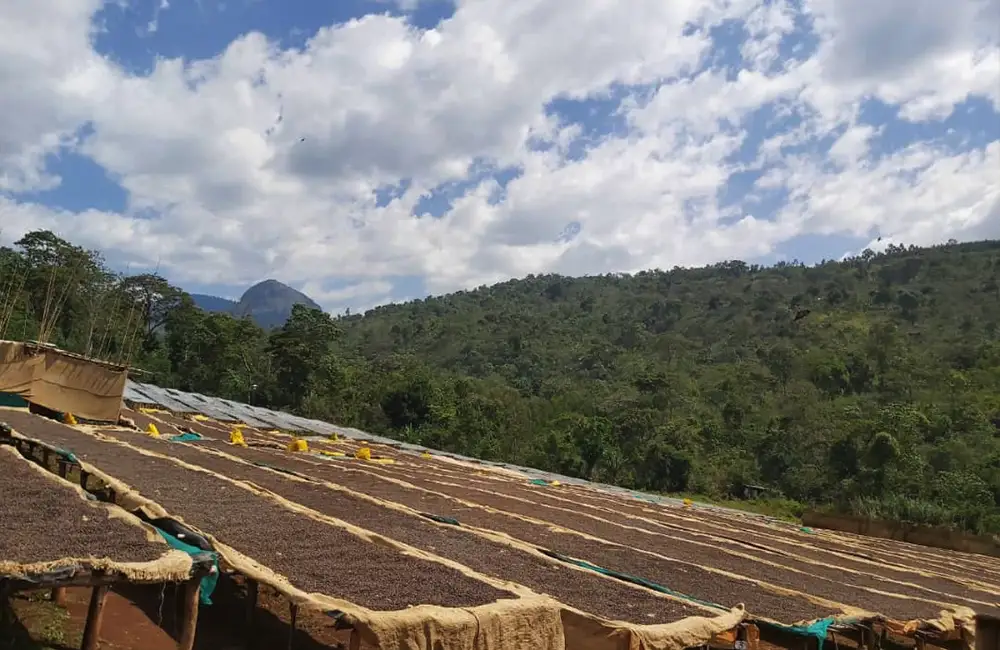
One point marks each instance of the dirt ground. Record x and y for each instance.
(142, 618)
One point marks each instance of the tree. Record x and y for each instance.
(54, 271)
(154, 298)
(298, 349)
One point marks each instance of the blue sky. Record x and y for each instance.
(433, 148)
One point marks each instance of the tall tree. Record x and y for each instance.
(298, 350)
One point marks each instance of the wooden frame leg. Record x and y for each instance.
(253, 592)
(189, 614)
(59, 596)
(293, 611)
(987, 633)
(355, 643)
(4, 603)
(95, 615)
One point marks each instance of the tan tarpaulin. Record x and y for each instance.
(62, 381)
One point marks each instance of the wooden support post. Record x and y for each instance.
(293, 611)
(59, 596)
(46, 455)
(95, 614)
(868, 637)
(253, 590)
(4, 603)
(750, 635)
(189, 615)
(355, 643)
(987, 633)
(83, 479)
(62, 468)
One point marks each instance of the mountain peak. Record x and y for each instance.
(269, 303)
(269, 284)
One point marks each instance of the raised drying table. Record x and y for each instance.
(53, 537)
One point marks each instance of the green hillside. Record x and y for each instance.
(869, 384)
(872, 382)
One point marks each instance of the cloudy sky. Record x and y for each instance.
(368, 151)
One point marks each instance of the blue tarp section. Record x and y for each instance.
(186, 437)
(10, 399)
(208, 583)
(68, 456)
(818, 629)
(451, 521)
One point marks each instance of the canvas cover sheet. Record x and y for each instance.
(61, 381)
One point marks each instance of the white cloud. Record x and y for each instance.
(923, 55)
(359, 296)
(237, 194)
(47, 72)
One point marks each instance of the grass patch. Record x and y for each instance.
(38, 624)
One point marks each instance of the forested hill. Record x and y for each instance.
(873, 380)
(550, 328)
(869, 384)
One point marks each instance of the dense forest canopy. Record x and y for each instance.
(869, 384)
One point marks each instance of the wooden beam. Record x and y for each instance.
(95, 615)
(189, 614)
(83, 579)
(355, 640)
